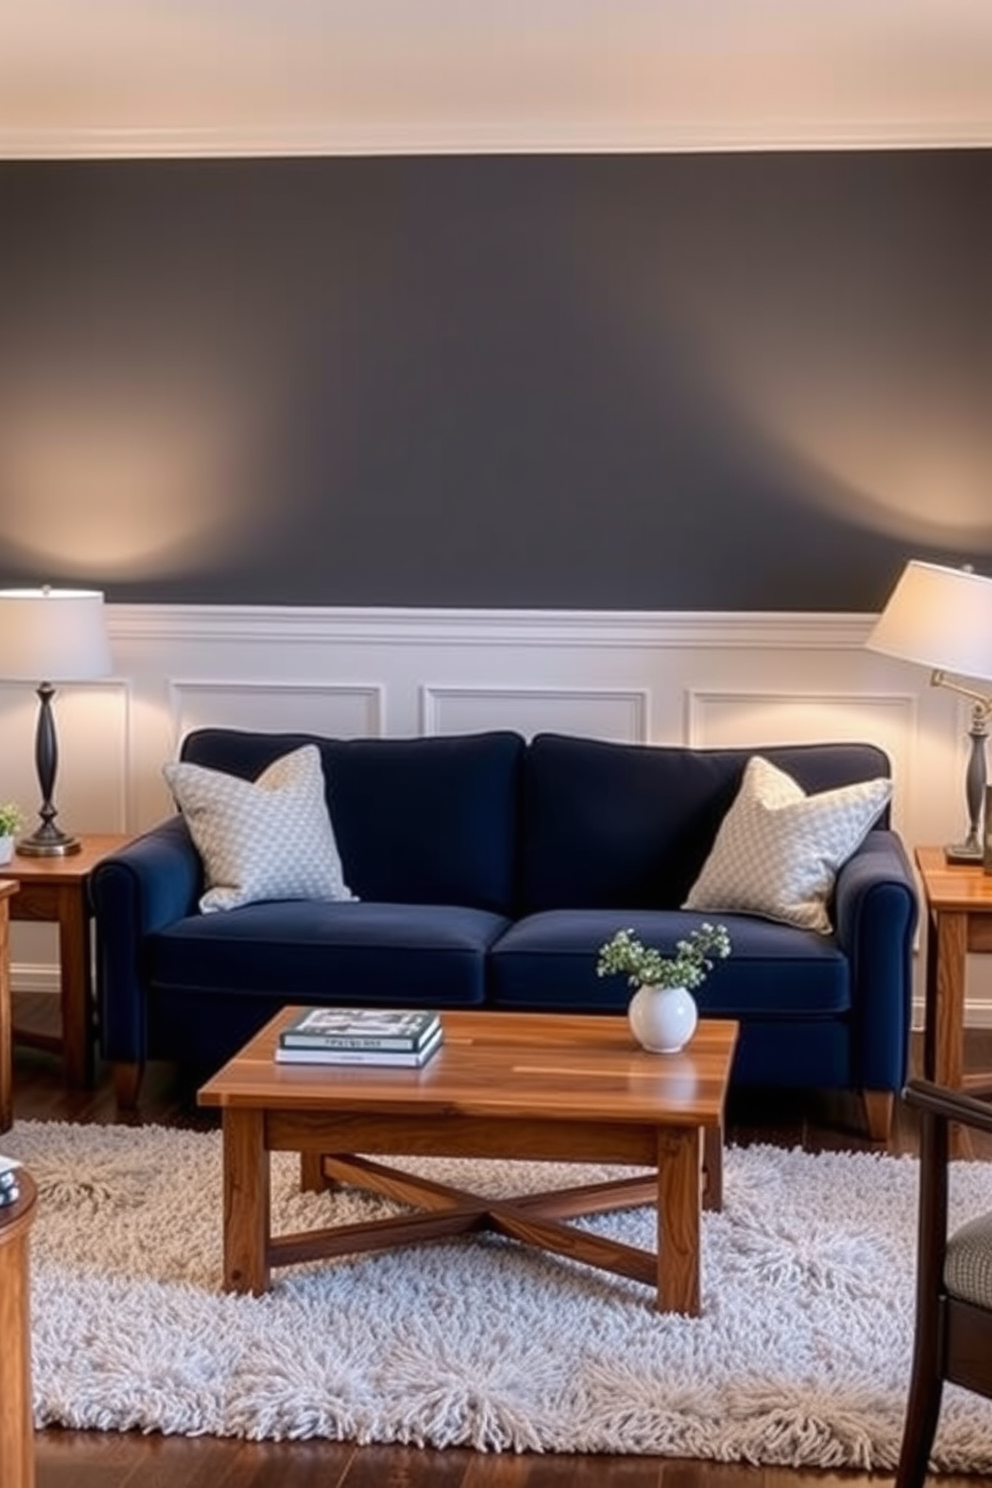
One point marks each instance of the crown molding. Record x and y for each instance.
(329, 139)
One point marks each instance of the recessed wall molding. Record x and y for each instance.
(610, 713)
(758, 717)
(304, 707)
(703, 706)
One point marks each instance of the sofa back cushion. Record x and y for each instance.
(628, 826)
(417, 821)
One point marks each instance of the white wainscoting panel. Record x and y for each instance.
(755, 719)
(286, 707)
(602, 713)
(659, 678)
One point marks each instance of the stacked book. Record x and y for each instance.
(10, 1189)
(386, 1036)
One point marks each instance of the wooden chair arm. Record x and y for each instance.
(950, 1105)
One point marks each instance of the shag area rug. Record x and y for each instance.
(801, 1356)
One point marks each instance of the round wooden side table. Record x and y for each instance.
(16, 1414)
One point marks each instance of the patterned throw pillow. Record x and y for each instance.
(270, 838)
(778, 851)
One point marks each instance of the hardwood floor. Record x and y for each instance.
(89, 1459)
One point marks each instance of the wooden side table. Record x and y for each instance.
(16, 1412)
(7, 889)
(56, 889)
(959, 921)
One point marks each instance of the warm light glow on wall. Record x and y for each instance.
(911, 471)
(110, 483)
(899, 442)
(859, 376)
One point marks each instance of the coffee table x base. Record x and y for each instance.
(530, 1218)
(251, 1251)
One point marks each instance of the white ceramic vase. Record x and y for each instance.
(6, 849)
(663, 1019)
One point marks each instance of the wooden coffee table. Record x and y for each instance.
(532, 1086)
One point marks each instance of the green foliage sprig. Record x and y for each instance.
(643, 966)
(10, 818)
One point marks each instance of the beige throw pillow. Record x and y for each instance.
(778, 851)
(270, 838)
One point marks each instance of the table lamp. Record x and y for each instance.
(48, 634)
(942, 618)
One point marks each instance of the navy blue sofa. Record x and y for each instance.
(489, 870)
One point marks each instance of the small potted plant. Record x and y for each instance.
(662, 1011)
(10, 821)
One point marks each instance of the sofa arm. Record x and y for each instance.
(152, 882)
(876, 910)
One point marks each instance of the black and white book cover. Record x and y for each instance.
(384, 1058)
(402, 1030)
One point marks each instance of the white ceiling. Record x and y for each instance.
(110, 77)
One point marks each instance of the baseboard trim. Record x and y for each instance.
(27, 977)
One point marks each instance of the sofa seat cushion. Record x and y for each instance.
(548, 961)
(336, 953)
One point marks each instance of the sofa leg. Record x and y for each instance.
(879, 1105)
(127, 1083)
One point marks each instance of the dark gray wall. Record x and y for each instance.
(749, 381)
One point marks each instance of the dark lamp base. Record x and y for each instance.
(48, 844)
(963, 852)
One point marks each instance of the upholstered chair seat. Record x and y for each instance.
(968, 1265)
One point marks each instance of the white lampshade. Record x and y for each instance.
(53, 635)
(940, 618)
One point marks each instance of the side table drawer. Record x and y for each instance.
(36, 902)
